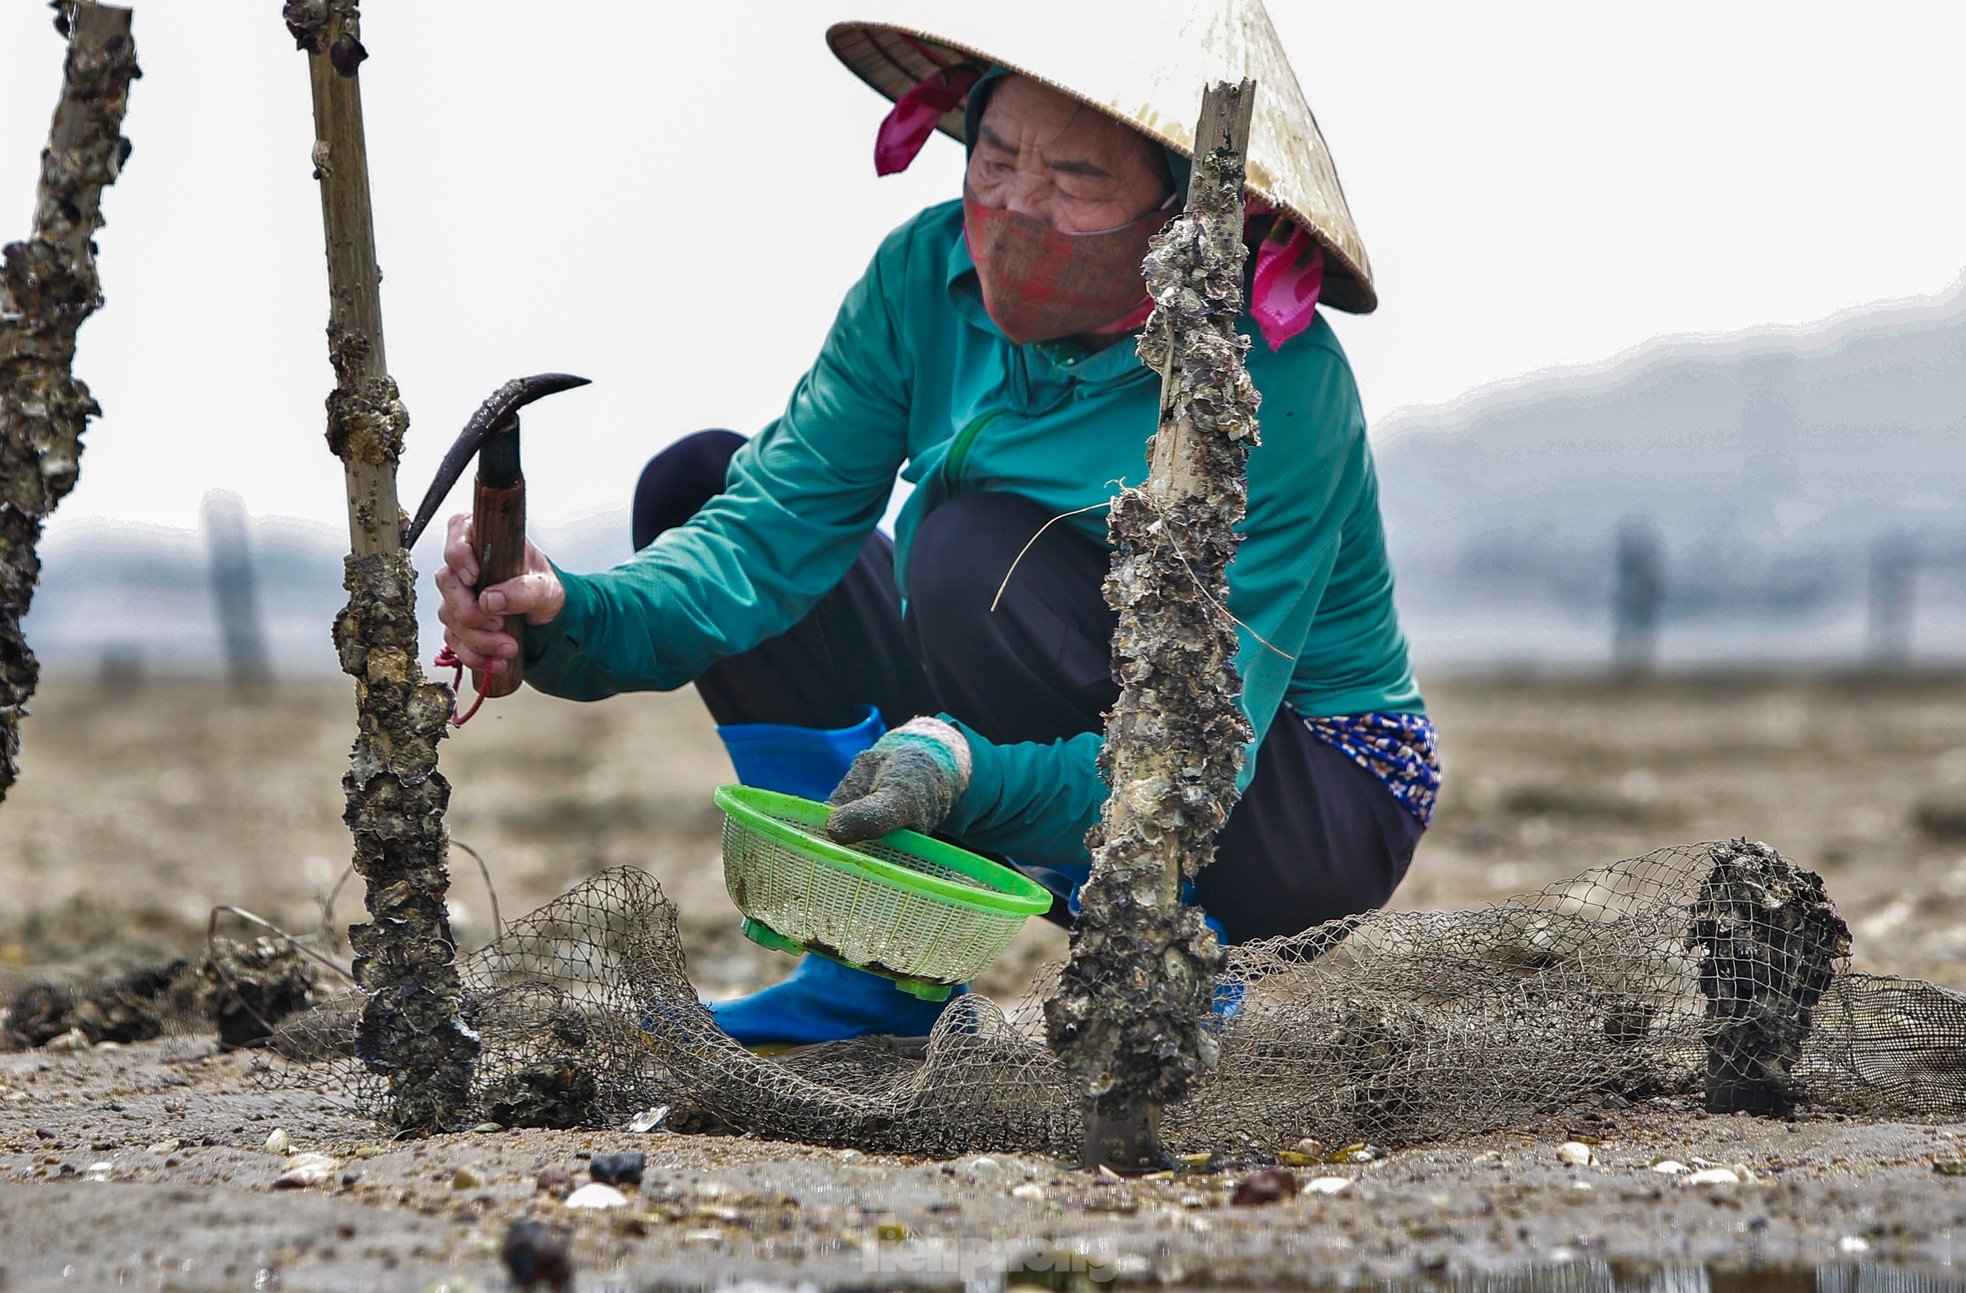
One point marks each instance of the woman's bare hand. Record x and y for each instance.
(474, 623)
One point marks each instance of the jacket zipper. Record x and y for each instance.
(952, 466)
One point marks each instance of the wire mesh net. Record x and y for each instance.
(1718, 970)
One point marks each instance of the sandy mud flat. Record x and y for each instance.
(145, 1165)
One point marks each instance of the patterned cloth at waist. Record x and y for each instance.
(1398, 749)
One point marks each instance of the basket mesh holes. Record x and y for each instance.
(861, 917)
(875, 849)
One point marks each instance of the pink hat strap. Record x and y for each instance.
(915, 114)
(1289, 273)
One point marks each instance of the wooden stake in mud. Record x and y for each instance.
(1130, 1016)
(48, 286)
(411, 1031)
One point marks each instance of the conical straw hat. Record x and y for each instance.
(1145, 62)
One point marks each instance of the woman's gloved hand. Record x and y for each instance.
(911, 778)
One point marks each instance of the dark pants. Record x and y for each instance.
(1314, 838)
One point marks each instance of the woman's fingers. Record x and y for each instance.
(477, 647)
(460, 608)
(474, 620)
(536, 594)
(458, 556)
(472, 659)
(476, 635)
(465, 655)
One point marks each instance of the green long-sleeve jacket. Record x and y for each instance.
(915, 380)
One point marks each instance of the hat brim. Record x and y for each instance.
(893, 59)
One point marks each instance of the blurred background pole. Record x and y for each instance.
(1892, 593)
(235, 592)
(48, 286)
(1639, 587)
(411, 1031)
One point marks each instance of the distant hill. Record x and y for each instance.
(1769, 463)
(130, 595)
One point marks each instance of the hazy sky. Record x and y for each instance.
(671, 199)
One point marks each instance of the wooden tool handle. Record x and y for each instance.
(498, 527)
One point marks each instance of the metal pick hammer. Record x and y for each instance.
(498, 504)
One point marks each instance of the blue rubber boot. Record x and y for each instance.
(824, 1001)
(821, 1000)
(1229, 990)
(1064, 880)
(803, 761)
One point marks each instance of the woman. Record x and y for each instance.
(955, 678)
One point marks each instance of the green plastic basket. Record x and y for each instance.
(921, 912)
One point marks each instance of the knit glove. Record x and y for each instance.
(911, 778)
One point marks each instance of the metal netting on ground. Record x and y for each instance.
(1716, 969)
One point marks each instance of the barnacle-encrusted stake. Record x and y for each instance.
(411, 1031)
(1129, 1016)
(1767, 939)
(48, 286)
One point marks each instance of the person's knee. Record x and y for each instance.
(1317, 897)
(960, 554)
(679, 481)
(1316, 838)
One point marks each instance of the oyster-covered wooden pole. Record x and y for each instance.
(1766, 939)
(411, 1031)
(48, 286)
(1129, 1018)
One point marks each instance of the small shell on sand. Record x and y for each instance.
(1714, 1176)
(307, 1170)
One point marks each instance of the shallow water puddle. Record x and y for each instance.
(1548, 1277)
(1609, 1277)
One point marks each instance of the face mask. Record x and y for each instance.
(1039, 284)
